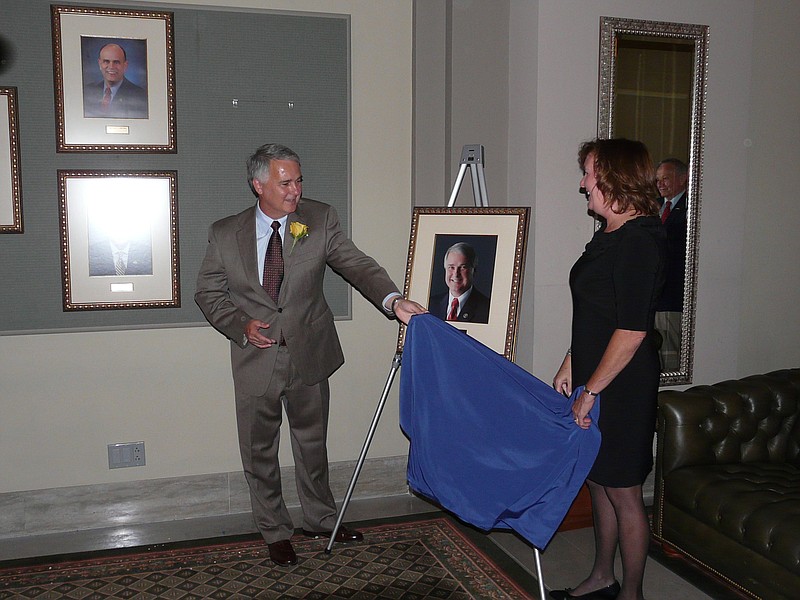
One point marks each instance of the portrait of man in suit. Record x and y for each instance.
(672, 176)
(113, 95)
(120, 241)
(462, 301)
(261, 286)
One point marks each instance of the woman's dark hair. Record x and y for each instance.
(624, 173)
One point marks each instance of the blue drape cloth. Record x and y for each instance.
(489, 441)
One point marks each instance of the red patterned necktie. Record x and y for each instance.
(273, 263)
(106, 98)
(453, 310)
(667, 208)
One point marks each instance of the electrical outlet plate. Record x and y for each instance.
(128, 454)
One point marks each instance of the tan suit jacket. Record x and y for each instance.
(229, 293)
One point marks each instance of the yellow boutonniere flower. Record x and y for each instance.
(298, 231)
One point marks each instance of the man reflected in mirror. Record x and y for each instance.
(672, 176)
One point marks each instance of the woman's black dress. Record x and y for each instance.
(615, 284)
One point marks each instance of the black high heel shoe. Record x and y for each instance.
(610, 592)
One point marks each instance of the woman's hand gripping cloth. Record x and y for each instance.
(489, 441)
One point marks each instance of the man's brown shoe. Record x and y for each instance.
(282, 553)
(344, 534)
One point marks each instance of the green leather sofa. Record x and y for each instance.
(727, 488)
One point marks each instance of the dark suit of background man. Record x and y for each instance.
(463, 301)
(114, 95)
(109, 256)
(284, 349)
(672, 176)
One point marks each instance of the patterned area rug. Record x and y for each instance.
(431, 558)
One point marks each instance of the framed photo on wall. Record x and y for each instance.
(114, 72)
(10, 169)
(475, 256)
(119, 239)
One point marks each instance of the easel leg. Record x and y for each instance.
(472, 159)
(360, 463)
(538, 560)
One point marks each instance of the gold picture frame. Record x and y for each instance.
(10, 168)
(119, 239)
(498, 237)
(133, 50)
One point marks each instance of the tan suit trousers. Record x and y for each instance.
(259, 423)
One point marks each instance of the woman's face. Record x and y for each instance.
(595, 197)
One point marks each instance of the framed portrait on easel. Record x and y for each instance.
(114, 73)
(466, 266)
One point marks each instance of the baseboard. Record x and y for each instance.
(87, 507)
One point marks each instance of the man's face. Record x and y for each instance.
(279, 194)
(457, 273)
(112, 64)
(669, 182)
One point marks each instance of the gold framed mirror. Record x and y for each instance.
(653, 89)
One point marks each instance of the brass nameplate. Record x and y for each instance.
(118, 129)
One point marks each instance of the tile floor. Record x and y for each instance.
(568, 556)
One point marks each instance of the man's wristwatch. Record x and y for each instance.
(394, 302)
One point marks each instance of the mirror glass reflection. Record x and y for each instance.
(652, 88)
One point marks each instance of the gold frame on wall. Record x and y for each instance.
(10, 167)
(94, 206)
(508, 228)
(75, 28)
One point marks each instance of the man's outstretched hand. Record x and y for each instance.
(405, 309)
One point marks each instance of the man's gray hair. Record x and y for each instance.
(258, 163)
(680, 166)
(465, 249)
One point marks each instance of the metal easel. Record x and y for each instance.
(472, 159)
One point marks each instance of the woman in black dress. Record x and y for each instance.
(615, 285)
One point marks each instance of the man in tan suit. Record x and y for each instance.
(284, 348)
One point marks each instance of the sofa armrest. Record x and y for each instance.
(753, 419)
(685, 430)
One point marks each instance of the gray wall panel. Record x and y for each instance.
(266, 61)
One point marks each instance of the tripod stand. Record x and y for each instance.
(472, 159)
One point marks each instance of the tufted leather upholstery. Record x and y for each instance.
(728, 479)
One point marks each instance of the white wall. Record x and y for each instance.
(770, 326)
(58, 408)
(460, 96)
(478, 89)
